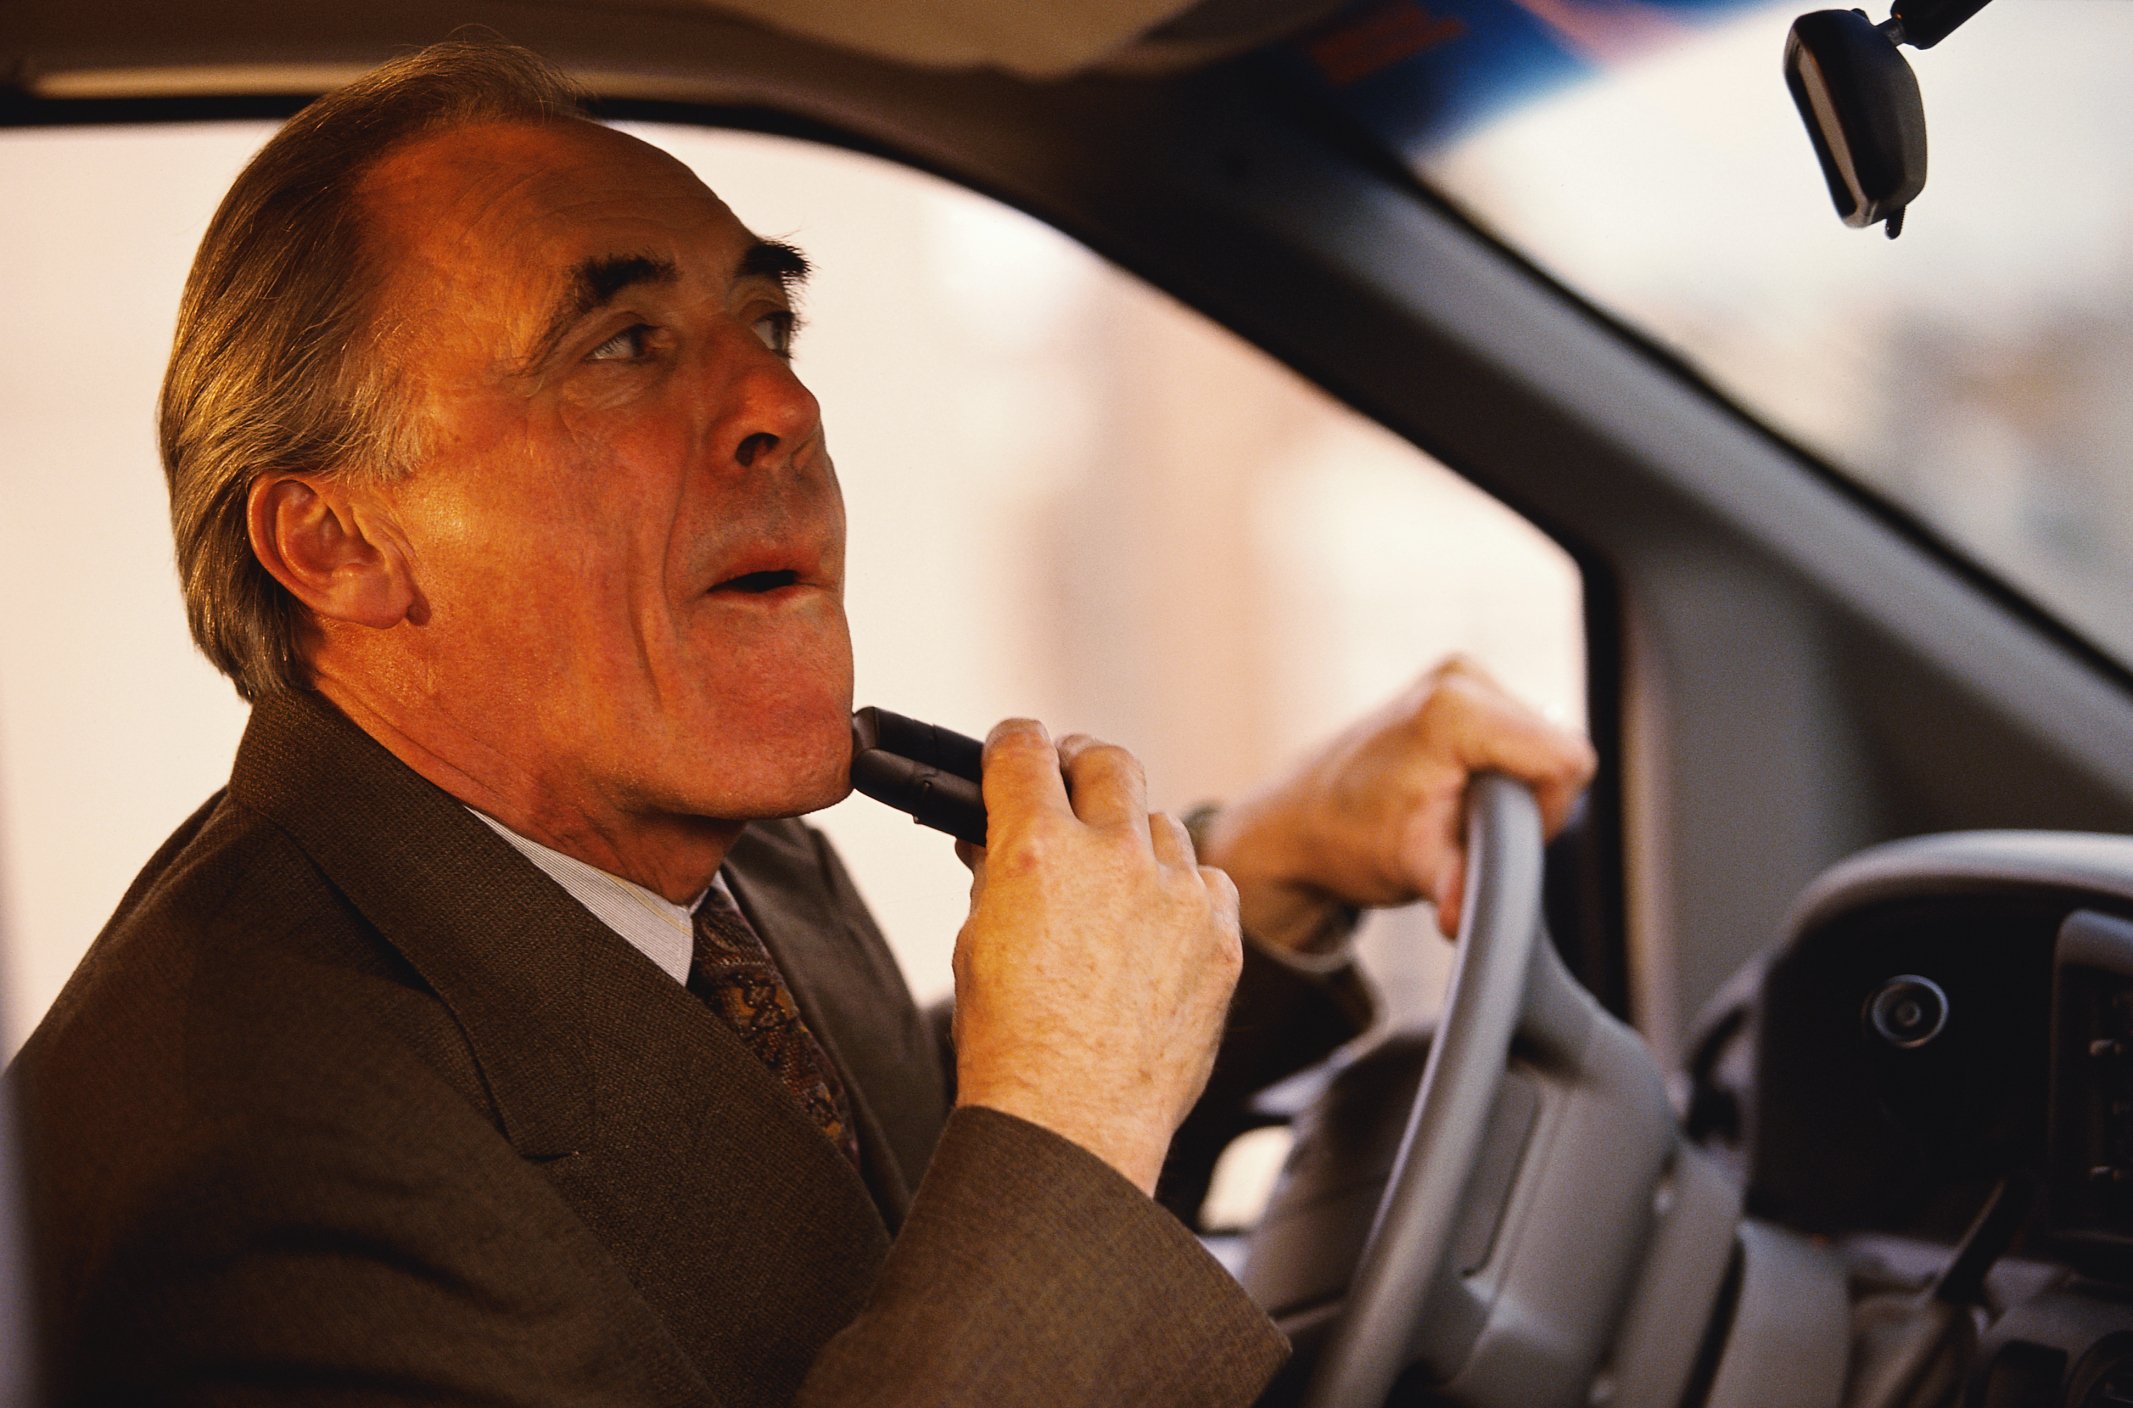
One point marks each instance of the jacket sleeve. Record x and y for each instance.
(337, 1271)
(1030, 1272)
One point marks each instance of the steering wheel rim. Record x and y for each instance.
(1418, 1216)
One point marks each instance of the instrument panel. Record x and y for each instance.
(1948, 1013)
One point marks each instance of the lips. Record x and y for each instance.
(778, 555)
(771, 570)
(760, 583)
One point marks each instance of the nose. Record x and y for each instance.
(772, 408)
(758, 443)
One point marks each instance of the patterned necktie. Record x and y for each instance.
(734, 973)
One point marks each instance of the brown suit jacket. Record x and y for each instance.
(351, 1104)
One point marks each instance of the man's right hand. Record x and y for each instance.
(1094, 973)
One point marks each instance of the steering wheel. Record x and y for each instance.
(1417, 1220)
(1545, 1221)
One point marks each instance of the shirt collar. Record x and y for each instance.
(654, 925)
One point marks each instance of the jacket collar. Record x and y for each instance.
(480, 924)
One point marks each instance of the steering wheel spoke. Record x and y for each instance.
(1523, 1210)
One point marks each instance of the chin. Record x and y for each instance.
(832, 790)
(766, 730)
(796, 761)
(787, 791)
(822, 772)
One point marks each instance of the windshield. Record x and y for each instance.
(1970, 372)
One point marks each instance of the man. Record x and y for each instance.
(493, 1038)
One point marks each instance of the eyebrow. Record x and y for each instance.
(597, 281)
(775, 259)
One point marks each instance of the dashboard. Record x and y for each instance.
(1941, 1055)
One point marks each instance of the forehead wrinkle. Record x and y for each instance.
(429, 209)
(478, 188)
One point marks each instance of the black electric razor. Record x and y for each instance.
(929, 773)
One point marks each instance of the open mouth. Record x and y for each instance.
(759, 583)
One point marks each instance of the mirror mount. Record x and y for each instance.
(1924, 23)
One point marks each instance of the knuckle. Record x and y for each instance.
(1182, 891)
(1110, 757)
(1167, 827)
(1118, 847)
(1447, 700)
(1465, 689)
(1023, 849)
(1458, 698)
(1218, 905)
(1047, 832)
(1022, 740)
(1219, 883)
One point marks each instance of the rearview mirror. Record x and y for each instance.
(1862, 108)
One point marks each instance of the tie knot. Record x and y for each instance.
(723, 933)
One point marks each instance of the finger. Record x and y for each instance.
(1457, 666)
(1222, 892)
(1022, 778)
(1172, 842)
(1107, 785)
(1450, 890)
(1558, 791)
(1492, 732)
(973, 857)
(1559, 798)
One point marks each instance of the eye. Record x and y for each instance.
(777, 331)
(627, 345)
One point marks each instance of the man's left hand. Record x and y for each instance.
(1377, 816)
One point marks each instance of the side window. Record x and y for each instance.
(1069, 497)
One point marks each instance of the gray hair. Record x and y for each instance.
(275, 365)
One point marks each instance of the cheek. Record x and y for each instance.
(581, 494)
(524, 584)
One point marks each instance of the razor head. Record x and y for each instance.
(931, 774)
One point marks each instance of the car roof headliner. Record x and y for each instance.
(632, 49)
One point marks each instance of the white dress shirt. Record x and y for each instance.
(654, 925)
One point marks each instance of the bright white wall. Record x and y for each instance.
(111, 728)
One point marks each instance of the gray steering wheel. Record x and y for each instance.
(1410, 1242)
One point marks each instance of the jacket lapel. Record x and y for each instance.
(853, 996)
(672, 1141)
(480, 924)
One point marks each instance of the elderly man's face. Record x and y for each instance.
(625, 528)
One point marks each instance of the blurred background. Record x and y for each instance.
(1069, 498)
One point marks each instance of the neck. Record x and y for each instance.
(675, 856)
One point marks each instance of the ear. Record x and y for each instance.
(336, 550)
